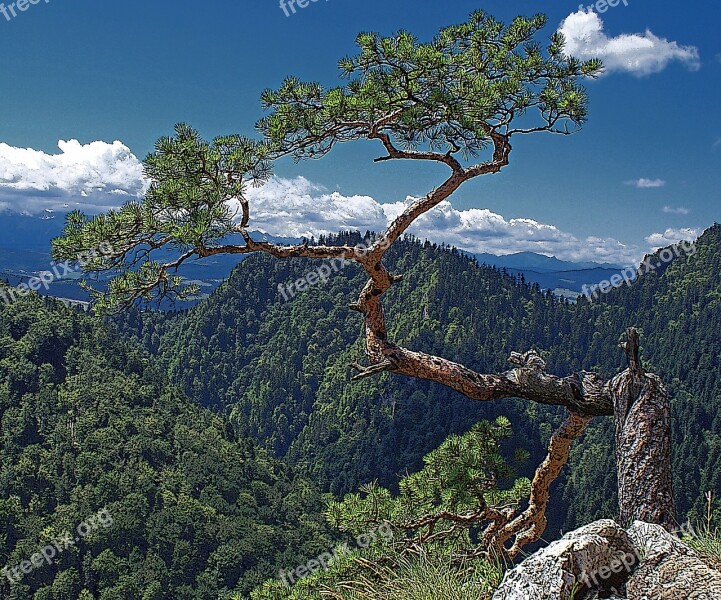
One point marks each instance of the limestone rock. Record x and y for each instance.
(599, 555)
(669, 568)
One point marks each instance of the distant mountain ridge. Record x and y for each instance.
(539, 263)
(562, 277)
(25, 251)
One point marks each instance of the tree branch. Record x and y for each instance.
(394, 153)
(531, 523)
(583, 392)
(288, 251)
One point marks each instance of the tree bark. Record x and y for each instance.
(643, 444)
(638, 401)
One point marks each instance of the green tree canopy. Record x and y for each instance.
(461, 96)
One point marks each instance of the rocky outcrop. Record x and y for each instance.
(600, 555)
(602, 560)
(669, 569)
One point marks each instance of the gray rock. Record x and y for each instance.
(599, 555)
(594, 595)
(669, 569)
(602, 561)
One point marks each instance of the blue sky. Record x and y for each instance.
(647, 161)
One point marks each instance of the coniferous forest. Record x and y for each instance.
(218, 476)
(426, 312)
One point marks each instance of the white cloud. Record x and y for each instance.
(645, 183)
(299, 208)
(676, 210)
(92, 177)
(717, 143)
(296, 207)
(672, 236)
(637, 53)
(98, 176)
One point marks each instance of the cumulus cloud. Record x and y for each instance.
(92, 177)
(645, 183)
(297, 207)
(481, 230)
(98, 176)
(672, 236)
(637, 53)
(676, 210)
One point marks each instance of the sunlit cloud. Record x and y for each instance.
(92, 177)
(98, 176)
(645, 183)
(297, 207)
(636, 53)
(672, 236)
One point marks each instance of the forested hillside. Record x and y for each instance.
(93, 422)
(678, 309)
(89, 424)
(280, 368)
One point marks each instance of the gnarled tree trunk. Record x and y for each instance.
(638, 401)
(642, 415)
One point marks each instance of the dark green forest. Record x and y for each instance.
(280, 370)
(89, 423)
(215, 436)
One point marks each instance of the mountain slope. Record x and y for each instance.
(678, 309)
(89, 424)
(281, 368)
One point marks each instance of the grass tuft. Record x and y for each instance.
(420, 578)
(706, 541)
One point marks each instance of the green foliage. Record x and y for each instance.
(196, 191)
(282, 367)
(464, 476)
(88, 422)
(426, 578)
(707, 544)
(67, 381)
(457, 95)
(421, 577)
(449, 95)
(678, 311)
